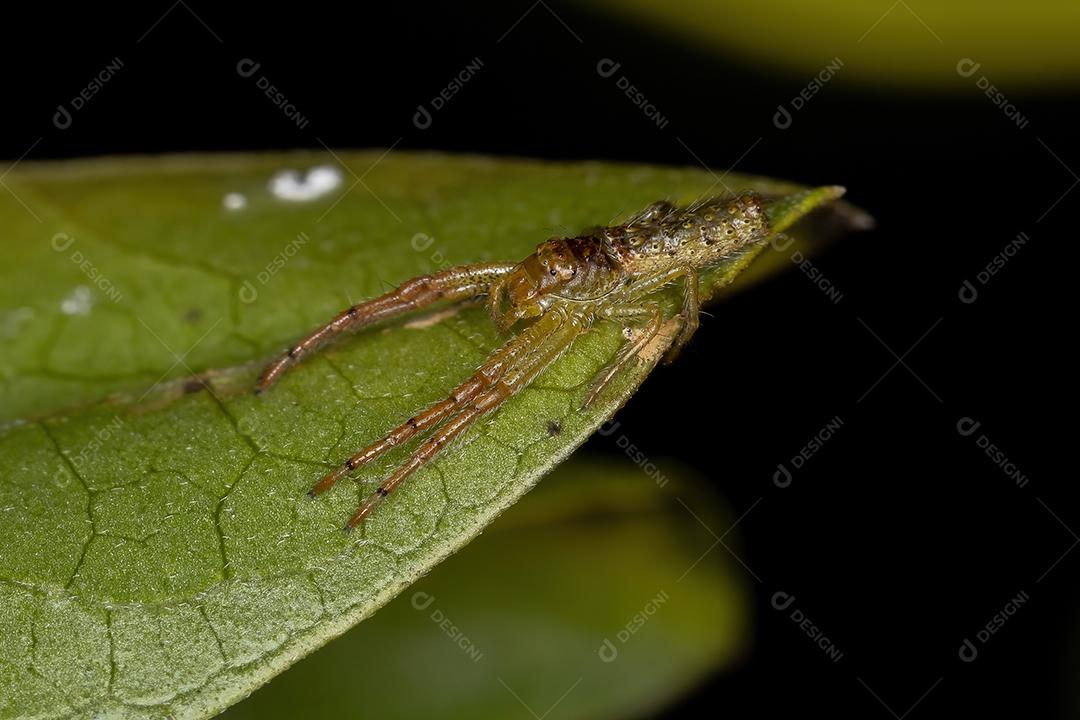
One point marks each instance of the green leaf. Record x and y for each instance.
(598, 583)
(160, 554)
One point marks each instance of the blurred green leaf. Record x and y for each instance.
(598, 583)
(160, 556)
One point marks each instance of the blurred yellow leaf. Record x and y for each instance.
(895, 42)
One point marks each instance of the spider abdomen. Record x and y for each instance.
(697, 236)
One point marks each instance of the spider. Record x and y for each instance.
(554, 295)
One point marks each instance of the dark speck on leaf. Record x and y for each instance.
(553, 428)
(194, 385)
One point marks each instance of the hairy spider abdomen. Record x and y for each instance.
(698, 236)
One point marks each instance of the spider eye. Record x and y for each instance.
(553, 272)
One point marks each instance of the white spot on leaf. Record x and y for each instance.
(234, 201)
(78, 302)
(291, 186)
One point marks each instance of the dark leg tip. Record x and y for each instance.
(312, 494)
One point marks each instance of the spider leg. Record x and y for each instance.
(629, 351)
(515, 379)
(691, 311)
(691, 305)
(453, 284)
(485, 376)
(653, 212)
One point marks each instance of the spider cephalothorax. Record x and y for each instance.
(565, 270)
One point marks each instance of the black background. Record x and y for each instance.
(900, 538)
